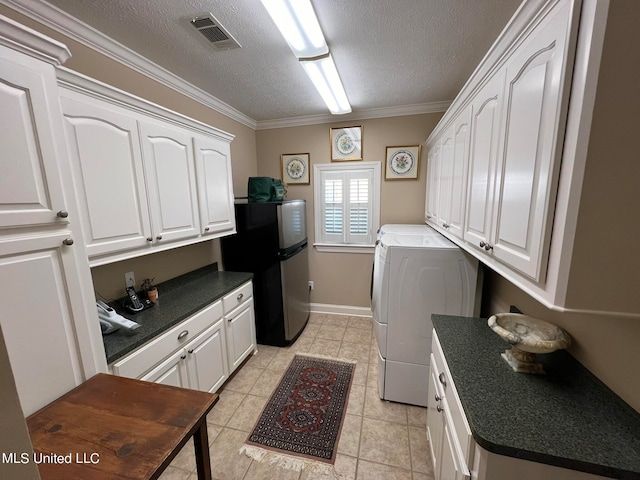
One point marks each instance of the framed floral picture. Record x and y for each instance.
(402, 163)
(346, 144)
(295, 168)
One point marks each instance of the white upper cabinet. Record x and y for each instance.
(47, 308)
(530, 146)
(433, 182)
(213, 164)
(445, 178)
(521, 156)
(147, 179)
(483, 153)
(453, 174)
(30, 187)
(170, 171)
(104, 148)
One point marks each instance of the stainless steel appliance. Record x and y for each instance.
(271, 243)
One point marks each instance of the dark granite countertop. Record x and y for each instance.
(178, 299)
(566, 418)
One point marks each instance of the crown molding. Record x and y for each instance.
(60, 21)
(30, 42)
(73, 28)
(382, 112)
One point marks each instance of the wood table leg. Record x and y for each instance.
(201, 444)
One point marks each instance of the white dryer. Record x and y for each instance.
(416, 276)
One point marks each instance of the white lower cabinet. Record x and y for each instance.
(448, 433)
(206, 359)
(170, 372)
(202, 351)
(240, 334)
(240, 324)
(454, 452)
(200, 365)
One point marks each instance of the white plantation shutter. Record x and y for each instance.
(344, 202)
(333, 208)
(359, 218)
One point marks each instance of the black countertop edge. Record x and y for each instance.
(178, 299)
(485, 383)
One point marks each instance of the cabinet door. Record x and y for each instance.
(460, 162)
(435, 419)
(215, 185)
(30, 188)
(449, 462)
(207, 359)
(105, 154)
(531, 142)
(433, 175)
(241, 336)
(37, 316)
(485, 124)
(444, 180)
(171, 186)
(170, 372)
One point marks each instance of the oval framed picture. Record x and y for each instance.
(295, 168)
(402, 163)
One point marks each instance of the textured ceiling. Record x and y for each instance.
(389, 53)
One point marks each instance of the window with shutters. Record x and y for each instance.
(347, 206)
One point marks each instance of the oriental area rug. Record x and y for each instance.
(301, 423)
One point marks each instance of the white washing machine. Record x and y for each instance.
(416, 276)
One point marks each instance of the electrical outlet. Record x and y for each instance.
(129, 280)
(310, 284)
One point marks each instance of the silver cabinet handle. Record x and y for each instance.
(439, 409)
(62, 214)
(240, 296)
(442, 379)
(438, 398)
(68, 241)
(183, 334)
(487, 246)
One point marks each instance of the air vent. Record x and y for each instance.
(215, 34)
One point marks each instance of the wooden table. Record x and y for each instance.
(117, 428)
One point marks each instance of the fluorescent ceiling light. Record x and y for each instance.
(299, 25)
(324, 75)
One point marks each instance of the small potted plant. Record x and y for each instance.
(150, 289)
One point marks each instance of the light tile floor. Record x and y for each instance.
(379, 441)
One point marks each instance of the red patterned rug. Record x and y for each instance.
(304, 415)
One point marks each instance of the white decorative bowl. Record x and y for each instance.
(528, 336)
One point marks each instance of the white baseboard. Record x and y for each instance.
(341, 309)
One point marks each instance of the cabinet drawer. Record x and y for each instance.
(239, 296)
(150, 354)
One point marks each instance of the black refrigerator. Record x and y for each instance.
(271, 243)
